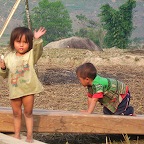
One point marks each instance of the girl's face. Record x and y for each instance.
(21, 45)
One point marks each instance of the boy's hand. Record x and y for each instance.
(39, 33)
(2, 63)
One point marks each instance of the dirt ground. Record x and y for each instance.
(56, 71)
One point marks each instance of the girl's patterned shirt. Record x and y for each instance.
(20, 70)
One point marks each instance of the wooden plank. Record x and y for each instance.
(53, 121)
(5, 139)
(23, 138)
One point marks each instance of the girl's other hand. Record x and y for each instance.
(2, 63)
(41, 31)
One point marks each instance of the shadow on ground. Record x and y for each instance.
(58, 76)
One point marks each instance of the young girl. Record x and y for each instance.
(18, 66)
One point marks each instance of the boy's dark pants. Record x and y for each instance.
(123, 108)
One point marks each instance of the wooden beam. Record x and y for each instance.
(53, 121)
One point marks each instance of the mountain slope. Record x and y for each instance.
(89, 8)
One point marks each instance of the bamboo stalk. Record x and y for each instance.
(28, 14)
(9, 17)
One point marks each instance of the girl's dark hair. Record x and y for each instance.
(86, 70)
(18, 32)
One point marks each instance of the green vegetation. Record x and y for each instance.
(116, 27)
(91, 30)
(118, 24)
(54, 17)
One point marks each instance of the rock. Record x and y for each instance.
(74, 42)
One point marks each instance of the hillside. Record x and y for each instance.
(75, 7)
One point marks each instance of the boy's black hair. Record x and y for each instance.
(86, 70)
(18, 32)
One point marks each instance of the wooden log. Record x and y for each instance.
(53, 121)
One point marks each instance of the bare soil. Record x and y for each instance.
(56, 71)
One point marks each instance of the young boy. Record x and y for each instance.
(112, 94)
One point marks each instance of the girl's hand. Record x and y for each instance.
(39, 33)
(2, 63)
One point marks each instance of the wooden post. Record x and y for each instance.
(9, 17)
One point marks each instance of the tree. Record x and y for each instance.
(118, 24)
(91, 30)
(54, 17)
